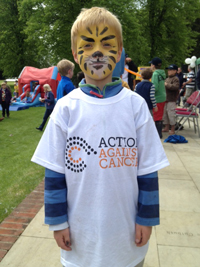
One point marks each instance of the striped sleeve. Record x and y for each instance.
(55, 198)
(152, 96)
(148, 201)
(191, 76)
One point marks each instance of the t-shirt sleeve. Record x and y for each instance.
(50, 152)
(151, 154)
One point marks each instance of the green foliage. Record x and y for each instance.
(168, 28)
(18, 175)
(37, 32)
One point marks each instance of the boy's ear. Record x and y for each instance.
(75, 56)
(119, 54)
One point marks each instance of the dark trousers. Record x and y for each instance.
(46, 115)
(5, 107)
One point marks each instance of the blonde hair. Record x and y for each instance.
(3, 83)
(95, 16)
(47, 86)
(64, 66)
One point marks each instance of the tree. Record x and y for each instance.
(11, 39)
(168, 28)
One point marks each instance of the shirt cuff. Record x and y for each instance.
(58, 227)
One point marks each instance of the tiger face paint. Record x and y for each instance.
(97, 51)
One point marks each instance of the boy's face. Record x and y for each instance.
(153, 67)
(70, 73)
(97, 51)
(171, 72)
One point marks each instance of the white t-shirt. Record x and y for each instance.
(101, 145)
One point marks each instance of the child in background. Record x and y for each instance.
(101, 183)
(172, 92)
(146, 89)
(158, 79)
(5, 99)
(66, 70)
(49, 101)
(16, 89)
(28, 98)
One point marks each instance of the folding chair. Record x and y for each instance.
(190, 113)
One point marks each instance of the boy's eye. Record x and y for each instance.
(106, 45)
(87, 46)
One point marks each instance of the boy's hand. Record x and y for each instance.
(62, 238)
(155, 109)
(142, 234)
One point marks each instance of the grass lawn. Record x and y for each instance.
(18, 140)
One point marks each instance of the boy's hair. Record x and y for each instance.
(158, 66)
(47, 86)
(95, 16)
(64, 66)
(3, 83)
(147, 73)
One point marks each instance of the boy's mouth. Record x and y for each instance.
(97, 67)
(97, 64)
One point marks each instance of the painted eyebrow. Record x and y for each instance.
(108, 38)
(87, 39)
(104, 30)
(89, 30)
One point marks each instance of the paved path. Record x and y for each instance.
(175, 243)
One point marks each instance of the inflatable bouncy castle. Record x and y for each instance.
(32, 79)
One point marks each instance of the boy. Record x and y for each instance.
(146, 89)
(158, 79)
(66, 70)
(96, 157)
(172, 92)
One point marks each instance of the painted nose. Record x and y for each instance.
(97, 54)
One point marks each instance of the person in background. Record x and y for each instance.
(16, 89)
(172, 91)
(80, 76)
(66, 70)
(181, 90)
(7, 86)
(5, 99)
(180, 77)
(127, 76)
(198, 79)
(189, 84)
(28, 98)
(49, 101)
(146, 89)
(101, 182)
(158, 79)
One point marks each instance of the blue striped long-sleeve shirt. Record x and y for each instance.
(56, 199)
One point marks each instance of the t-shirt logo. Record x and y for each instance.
(75, 147)
(115, 152)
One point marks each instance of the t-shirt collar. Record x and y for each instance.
(110, 89)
